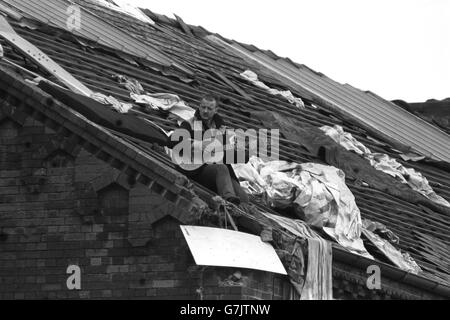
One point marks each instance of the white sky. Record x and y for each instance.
(399, 49)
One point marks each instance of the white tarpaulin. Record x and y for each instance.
(385, 163)
(227, 248)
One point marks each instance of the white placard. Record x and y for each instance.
(226, 248)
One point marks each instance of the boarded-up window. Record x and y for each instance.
(59, 159)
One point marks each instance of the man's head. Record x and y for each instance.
(208, 107)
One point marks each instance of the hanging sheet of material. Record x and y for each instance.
(253, 78)
(403, 261)
(320, 191)
(354, 166)
(385, 163)
(318, 282)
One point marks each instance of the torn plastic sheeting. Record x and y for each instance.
(241, 250)
(40, 58)
(405, 175)
(27, 23)
(253, 78)
(293, 257)
(403, 261)
(297, 227)
(315, 281)
(113, 102)
(10, 12)
(381, 230)
(383, 162)
(131, 85)
(355, 167)
(167, 102)
(319, 190)
(96, 112)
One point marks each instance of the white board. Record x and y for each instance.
(226, 248)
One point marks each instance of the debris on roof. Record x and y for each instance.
(156, 101)
(316, 193)
(318, 282)
(253, 78)
(421, 225)
(241, 250)
(127, 8)
(35, 54)
(434, 111)
(100, 114)
(167, 102)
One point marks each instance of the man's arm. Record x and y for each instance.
(184, 125)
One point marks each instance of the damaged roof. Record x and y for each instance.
(198, 65)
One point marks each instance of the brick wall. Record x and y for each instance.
(61, 206)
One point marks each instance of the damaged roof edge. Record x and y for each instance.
(396, 274)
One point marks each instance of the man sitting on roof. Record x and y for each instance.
(217, 177)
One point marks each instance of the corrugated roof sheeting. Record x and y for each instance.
(55, 12)
(95, 67)
(375, 112)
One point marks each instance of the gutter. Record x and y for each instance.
(391, 272)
